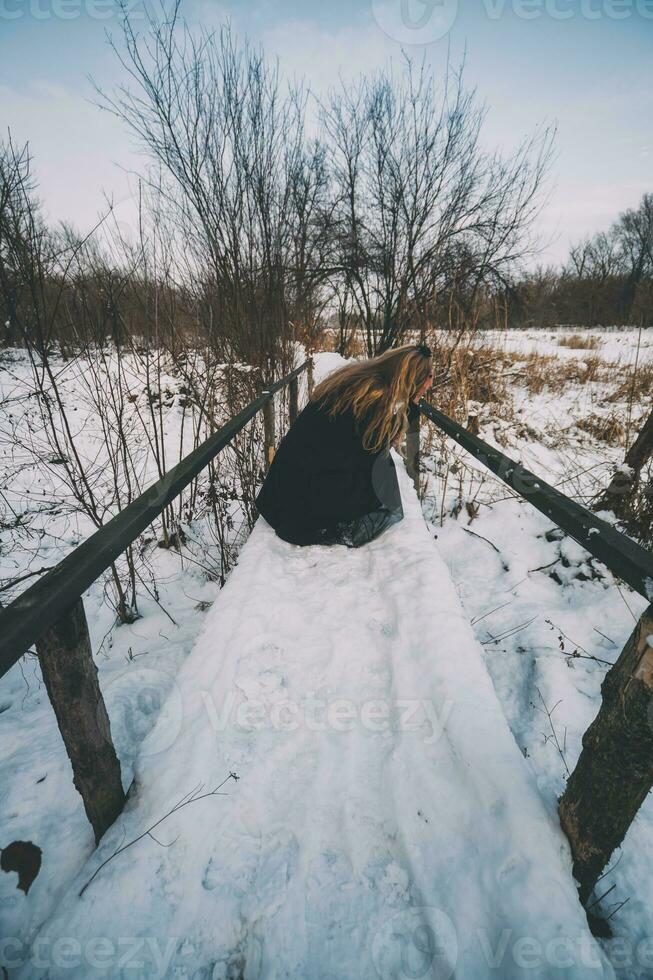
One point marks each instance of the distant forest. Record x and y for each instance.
(250, 235)
(606, 281)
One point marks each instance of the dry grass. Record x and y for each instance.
(578, 341)
(475, 375)
(472, 372)
(636, 388)
(354, 345)
(607, 428)
(542, 372)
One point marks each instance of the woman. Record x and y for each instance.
(332, 480)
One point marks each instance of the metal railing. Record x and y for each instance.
(51, 615)
(614, 773)
(624, 557)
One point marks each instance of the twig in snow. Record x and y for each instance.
(156, 599)
(600, 898)
(554, 734)
(192, 797)
(609, 869)
(619, 906)
(541, 568)
(585, 655)
(509, 632)
(636, 618)
(477, 619)
(22, 578)
(604, 636)
(487, 541)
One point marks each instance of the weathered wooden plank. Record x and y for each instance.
(71, 680)
(293, 400)
(269, 438)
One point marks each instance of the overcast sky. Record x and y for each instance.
(586, 65)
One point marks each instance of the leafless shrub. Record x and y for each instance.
(424, 220)
(242, 189)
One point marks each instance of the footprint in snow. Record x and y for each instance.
(277, 863)
(385, 627)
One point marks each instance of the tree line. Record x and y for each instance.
(265, 214)
(607, 279)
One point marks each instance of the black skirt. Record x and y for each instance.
(324, 487)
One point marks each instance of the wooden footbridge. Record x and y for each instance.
(615, 769)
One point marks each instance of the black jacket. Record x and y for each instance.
(321, 475)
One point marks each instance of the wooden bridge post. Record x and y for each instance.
(269, 441)
(615, 770)
(71, 680)
(310, 376)
(624, 481)
(412, 445)
(293, 400)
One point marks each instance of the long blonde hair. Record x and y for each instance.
(377, 391)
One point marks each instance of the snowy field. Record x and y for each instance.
(440, 828)
(616, 345)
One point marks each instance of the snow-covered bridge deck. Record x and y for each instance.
(385, 823)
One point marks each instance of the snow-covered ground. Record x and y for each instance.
(384, 841)
(384, 822)
(550, 620)
(617, 345)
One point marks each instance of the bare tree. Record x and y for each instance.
(421, 210)
(244, 189)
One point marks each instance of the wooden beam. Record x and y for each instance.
(412, 445)
(310, 375)
(626, 478)
(269, 437)
(624, 557)
(71, 680)
(293, 400)
(39, 607)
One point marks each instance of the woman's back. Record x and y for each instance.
(332, 479)
(321, 475)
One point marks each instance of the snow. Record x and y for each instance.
(614, 344)
(335, 799)
(346, 849)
